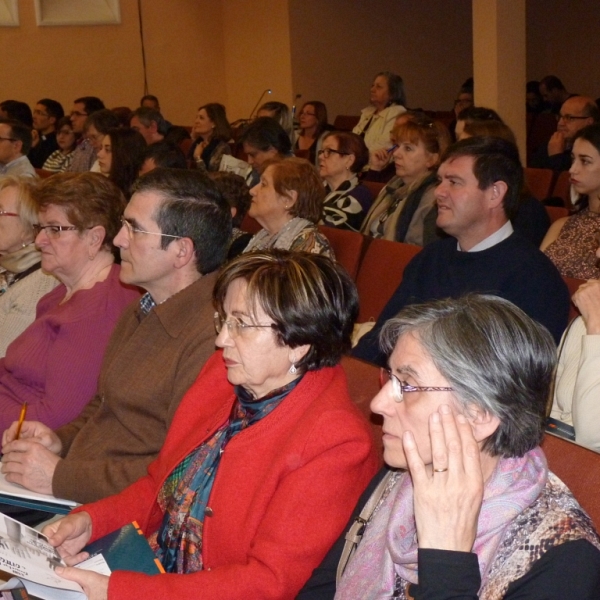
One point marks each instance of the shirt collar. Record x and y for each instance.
(498, 236)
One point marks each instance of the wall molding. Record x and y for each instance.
(77, 12)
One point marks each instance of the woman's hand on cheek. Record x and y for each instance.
(448, 495)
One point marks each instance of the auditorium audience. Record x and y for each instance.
(341, 158)
(281, 113)
(313, 125)
(387, 100)
(150, 101)
(211, 137)
(97, 125)
(405, 210)
(472, 114)
(162, 154)
(571, 242)
(120, 157)
(85, 153)
(46, 115)
(266, 446)
(22, 281)
(54, 363)
(553, 92)
(149, 122)
(15, 141)
(287, 202)
(17, 111)
(466, 506)
(66, 139)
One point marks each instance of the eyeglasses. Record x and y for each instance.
(54, 231)
(76, 113)
(131, 229)
(40, 113)
(400, 388)
(569, 118)
(234, 326)
(327, 152)
(5, 213)
(8, 139)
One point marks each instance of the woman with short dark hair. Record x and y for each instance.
(265, 455)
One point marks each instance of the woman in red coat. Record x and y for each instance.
(266, 455)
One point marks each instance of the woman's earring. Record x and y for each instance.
(293, 369)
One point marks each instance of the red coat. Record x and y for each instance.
(283, 492)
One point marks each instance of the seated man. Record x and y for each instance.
(150, 101)
(480, 182)
(16, 111)
(85, 154)
(46, 115)
(149, 123)
(175, 235)
(15, 141)
(575, 114)
(165, 155)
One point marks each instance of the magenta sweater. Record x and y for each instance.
(54, 364)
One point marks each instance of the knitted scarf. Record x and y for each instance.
(22, 260)
(283, 239)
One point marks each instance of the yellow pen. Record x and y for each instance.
(21, 419)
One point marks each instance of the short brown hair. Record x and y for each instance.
(298, 175)
(434, 135)
(351, 143)
(490, 129)
(88, 199)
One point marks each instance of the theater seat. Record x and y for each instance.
(556, 212)
(347, 246)
(579, 468)
(43, 174)
(374, 187)
(539, 182)
(250, 225)
(562, 188)
(345, 122)
(380, 273)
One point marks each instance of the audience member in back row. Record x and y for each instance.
(341, 158)
(17, 111)
(162, 154)
(85, 153)
(212, 134)
(405, 210)
(15, 141)
(571, 242)
(54, 363)
(577, 383)
(553, 92)
(387, 101)
(149, 123)
(264, 139)
(46, 115)
(281, 113)
(66, 139)
(96, 126)
(480, 183)
(155, 353)
(313, 126)
(287, 202)
(120, 157)
(22, 281)
(237, 195)
(531, 219)
(575, 114)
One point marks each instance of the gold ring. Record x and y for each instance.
(440, 470)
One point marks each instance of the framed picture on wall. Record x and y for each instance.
(9, 13)
(76, 12)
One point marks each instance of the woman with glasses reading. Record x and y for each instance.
(22, 281)
(341, 158)
(54, 364)
(265, 455)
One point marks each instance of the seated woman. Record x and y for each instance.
(264, 139)
(66, 139)
(22, 281)
(405, 210)
(54, 364)
(280, 113)
(468, 507)
(387, 101)
(235, 191)
(121, 157)
(287, 202)
(341, 158)
(211, 137)
(313, 124)
(266, 454)
(531, 219)
(571, 241)
(577, 383)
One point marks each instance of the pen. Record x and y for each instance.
(21, 419)
(390, 150)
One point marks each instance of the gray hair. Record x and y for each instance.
(493, 355)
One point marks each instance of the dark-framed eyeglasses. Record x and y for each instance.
(131, 229)
(327, 152)
(400, 387)
(54, 231)
(569, 118)
(234, 325)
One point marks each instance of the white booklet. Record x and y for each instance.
(18, 491)
(27, 556)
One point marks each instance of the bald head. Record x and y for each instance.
(575, 114)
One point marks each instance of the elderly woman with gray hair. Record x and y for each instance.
(467, 507)
(22, 281)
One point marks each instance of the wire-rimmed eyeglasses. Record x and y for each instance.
(400, 387)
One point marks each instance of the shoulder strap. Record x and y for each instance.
(356, 531)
